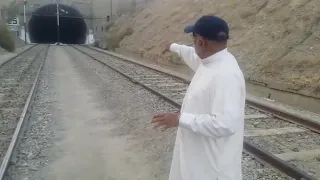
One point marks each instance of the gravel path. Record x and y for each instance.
(88, 122)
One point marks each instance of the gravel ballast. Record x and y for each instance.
(16, 78)
(89, 122)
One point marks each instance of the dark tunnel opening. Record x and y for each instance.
(43, 25)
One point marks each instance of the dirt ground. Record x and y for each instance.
(274, 41)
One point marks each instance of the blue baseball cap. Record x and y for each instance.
(210, 27)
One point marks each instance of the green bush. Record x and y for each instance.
(96, 44)
(175, 59)
(6, 38)
(114, 39)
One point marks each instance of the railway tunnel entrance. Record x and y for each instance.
(43, 25)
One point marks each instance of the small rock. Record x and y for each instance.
(260, 171)
(295, 150)
(313, 171)
(24, 152)
(256, 123)
(32, 168)
(24, 164)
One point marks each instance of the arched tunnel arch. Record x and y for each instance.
(43, 25)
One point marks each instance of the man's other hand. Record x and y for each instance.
(168, 120)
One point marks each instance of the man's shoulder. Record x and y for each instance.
(230, 74)
(230, 65)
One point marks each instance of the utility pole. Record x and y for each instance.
(25, 20)
(111, 9)
(58, 23)
(92, 19)
(2, 15)
(133, 5)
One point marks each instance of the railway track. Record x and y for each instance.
(18, 79)
(285, 140)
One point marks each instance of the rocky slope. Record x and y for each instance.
(274, 40)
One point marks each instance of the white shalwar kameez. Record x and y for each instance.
(209, 141)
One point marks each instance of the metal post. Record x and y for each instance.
(91, 12)
(58, 24)
(111, 9)
(25, 21)
(91, 20)
(2, 14)
(133, 5)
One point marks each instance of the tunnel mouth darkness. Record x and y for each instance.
(43, 26)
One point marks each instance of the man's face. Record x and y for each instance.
(199, 44)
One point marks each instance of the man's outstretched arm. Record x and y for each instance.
(187, 54)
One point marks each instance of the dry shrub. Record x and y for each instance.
(96, 44)
(114, 38)
(175, 59)
(6, 38)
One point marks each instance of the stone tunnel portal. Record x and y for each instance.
(43, 25)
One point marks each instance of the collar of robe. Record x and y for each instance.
(214, 57)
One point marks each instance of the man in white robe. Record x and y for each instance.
(209, 140)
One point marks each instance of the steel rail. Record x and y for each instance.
(22, 120)
(262, 155)
(304, 121)
(287, 116)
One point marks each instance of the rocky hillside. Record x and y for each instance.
(274, 40)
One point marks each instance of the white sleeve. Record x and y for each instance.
(187, 54)
(226, 113)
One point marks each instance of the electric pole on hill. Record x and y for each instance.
(111, 9)
(133, 5)
(91, 12)
(25, 21)
(58, 24)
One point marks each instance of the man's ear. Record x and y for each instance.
(204, 42)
